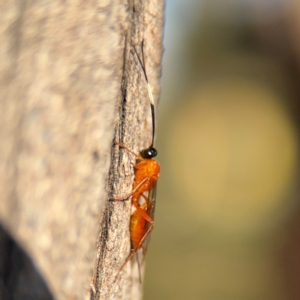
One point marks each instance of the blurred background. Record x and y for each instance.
(228, 211)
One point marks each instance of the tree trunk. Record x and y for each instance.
(70, 87)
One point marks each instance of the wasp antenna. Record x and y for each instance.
(153, 124)
(142, 63)
(150, 94)
(143, 56)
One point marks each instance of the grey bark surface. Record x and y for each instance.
(70, 86)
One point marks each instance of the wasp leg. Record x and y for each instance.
(131, 193)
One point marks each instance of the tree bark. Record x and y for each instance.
(70, 87)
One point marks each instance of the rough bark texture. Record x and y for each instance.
(70, 86)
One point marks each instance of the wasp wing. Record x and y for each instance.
(150, 211)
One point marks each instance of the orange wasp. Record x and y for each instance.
(146, 173)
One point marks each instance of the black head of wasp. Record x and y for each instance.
(146, 173)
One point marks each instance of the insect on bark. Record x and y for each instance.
(146, 173)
